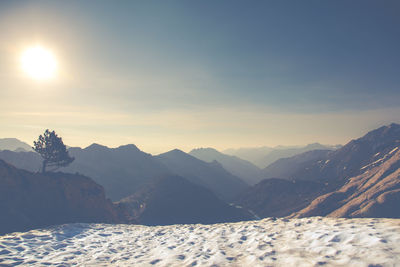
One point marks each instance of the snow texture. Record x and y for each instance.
(270, 242)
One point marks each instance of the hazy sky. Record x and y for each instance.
(184, 74)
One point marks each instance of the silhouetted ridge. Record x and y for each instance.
(30, 200)
(264, 156)
(174, 200)
(120, 170)
(287, 168)
(278, 197)
(243, 169)
(30, 161)
(176, 153)
(383, 134)
(129, 147)
(14, 144)
(96, 147)
(210, 175)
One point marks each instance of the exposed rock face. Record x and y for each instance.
(375, 193)
(30, 200)
(174, 200)
(210, 175)
(358, 180)
(338, 166)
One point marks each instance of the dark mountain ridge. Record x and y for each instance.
(286, 168)
(243, 169)
(120, 170)
(278, 197)
(14, 144)
(30, 161)
(264, 156)
(31, 200)
(123, 170)
(210, 175)
(173, 199)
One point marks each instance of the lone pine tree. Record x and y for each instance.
(52, 150)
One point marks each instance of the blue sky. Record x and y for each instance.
(165, 74)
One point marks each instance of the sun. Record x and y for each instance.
(39, 63)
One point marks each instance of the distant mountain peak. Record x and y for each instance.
(235, 165)
(14, 144)
(208, 149)
(128, 147)
(314, 144)
(384, 133)
(176, 152)
(11, 139)
(96, 146)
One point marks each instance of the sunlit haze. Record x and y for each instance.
(186, 74)
(38, 63)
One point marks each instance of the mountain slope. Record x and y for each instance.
(349, 160)
(174, 200)
(375, 193)
(287, 167)
(30, 200)
(289, 152)
(30, 161)
(278, 197)
(121, 171)
(14, 144)
(243, 169)
(210, 175)
(332, 174)
(251, 154)
(264, 156)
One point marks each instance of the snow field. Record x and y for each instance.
(312, 241)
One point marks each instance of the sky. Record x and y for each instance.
(187, 74)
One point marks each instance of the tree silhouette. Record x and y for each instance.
(52, 150)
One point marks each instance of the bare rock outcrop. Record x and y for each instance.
(374, 193)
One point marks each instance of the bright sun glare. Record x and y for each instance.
(39, 63)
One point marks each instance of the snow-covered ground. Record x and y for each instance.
(269, 242)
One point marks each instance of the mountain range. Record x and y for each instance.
(174, 200)
(210, 175)
(264, 156)
(34, 200)
(243, 169)
(123, 170)
(120, 170)
(361, 179)
(374, 193)
(286, 168)
(14, 144)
